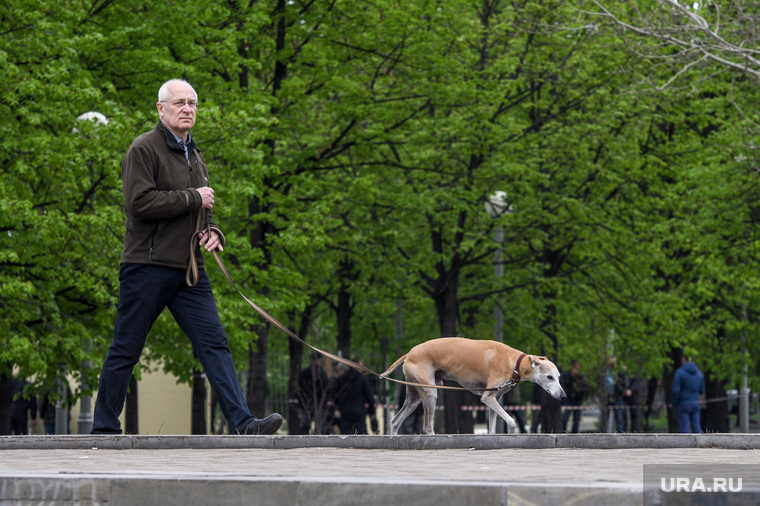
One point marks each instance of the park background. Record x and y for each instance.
(354, 147)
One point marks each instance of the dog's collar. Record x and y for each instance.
(516, 372)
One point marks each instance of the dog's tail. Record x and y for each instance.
(394, 366)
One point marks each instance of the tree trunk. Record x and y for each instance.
(258, 389)
(551, 414)
(667, 385)
(215, 428)
(6, 391)
(604, 411)
(715, 414)
(295, 353)
(198, 410)
(455, 420)
(638, 420)
(345, 310)
(551, 408)
(131, 415)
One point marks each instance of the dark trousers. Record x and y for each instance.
(619, 411)
(353, 423)
(144, 292)
(19, 425)
(689, 415)
(575, 413)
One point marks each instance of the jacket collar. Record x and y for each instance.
(171, 139)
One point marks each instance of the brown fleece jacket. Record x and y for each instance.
(161, 201)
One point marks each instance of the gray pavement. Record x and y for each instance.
(588, 469)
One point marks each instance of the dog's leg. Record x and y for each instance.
(491, 420)
(411, 402)
(489, 399)
(429, 399)
(421, 371)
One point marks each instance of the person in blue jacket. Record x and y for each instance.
(688, 385)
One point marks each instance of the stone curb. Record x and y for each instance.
(406, 442)
(189, 491)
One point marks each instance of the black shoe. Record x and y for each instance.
(263, 426)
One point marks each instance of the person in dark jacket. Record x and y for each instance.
(47, 409)
(23, 408)
(688, 385)
(312, 397)
(354, 400)
(166, 194)
(47, 412)
(616, 381)
(575, 386)
(631, 398)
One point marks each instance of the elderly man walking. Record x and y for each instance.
(166, 190)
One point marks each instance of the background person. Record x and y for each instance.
(353, 399)
(535, 415)
(616, 384)
(23, 410)
(575, 386)
(312, 397)
(651, 392)
(631, 398)
(688, 385)
(47, 410)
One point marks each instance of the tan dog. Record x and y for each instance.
(488, 367)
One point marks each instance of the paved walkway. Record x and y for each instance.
(589, 469)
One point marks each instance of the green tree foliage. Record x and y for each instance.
(705, 211)
(353, 147)
(60, 220)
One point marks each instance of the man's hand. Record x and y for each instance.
(211, 240)
(207, 197)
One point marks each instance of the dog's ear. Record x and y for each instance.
(533, 362)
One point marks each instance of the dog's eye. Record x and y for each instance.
(550, 377)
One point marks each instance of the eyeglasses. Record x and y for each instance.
(181, 103)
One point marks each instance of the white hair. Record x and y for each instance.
(163, 91)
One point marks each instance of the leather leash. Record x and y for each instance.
(192, 265)
(192, 269)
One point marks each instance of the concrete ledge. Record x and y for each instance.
(170, 491)
(410, 442)
(542, 469)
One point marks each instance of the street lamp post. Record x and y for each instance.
(498, 270)
(744, 390)
(497, 205)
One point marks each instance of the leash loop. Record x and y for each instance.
(192, 266)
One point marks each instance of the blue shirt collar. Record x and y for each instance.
(182, 143)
